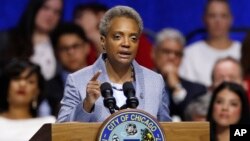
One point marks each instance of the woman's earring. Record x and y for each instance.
(104, 49)
(34, 104)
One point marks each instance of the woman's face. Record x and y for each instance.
(23, 89)
(121, 41)
(48, 15)
(227, 108)
(218, 19)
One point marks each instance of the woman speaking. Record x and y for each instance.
(120, 29)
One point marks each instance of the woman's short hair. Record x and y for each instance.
(14, 69)
(119, 11)
(239, 91)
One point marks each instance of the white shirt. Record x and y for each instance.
(44, 57)
(199, 59)
(23, 129)
(118, 94)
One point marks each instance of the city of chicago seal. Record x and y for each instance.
(131, 125)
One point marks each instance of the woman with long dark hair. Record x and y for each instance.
(228, 106)
(22, 89)
(30, 39)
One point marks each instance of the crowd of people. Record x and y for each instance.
(52, 69)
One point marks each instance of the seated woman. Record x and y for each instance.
(21, 93)
(228, 106)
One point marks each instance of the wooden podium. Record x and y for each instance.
(76, 131)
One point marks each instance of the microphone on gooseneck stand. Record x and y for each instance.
(129, 92)
(109, 101)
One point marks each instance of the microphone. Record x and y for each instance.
(109, 101)
(129, 92)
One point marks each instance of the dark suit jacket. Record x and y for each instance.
(54, 92)
(194, 90)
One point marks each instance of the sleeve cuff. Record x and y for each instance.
(180, 96)
(81, 114)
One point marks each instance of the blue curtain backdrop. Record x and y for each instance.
(185, 15)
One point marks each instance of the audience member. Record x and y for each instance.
(197, 109)
(228, 106)
(245, 57)
(120, 30)
(225, 69)
(71, 49)
(167, 57)
(200, 57)
(22, 88)
(30, 39)
(88, 17)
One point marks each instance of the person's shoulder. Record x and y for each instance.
(196, 44)
(55, 79)
(150, 73)
(82, 72)
(37, 121)
(194, 86)
(183, 80)
(152, 79)
(81, 76)
(2, 117)
(87, 72)
(195, 47)
(236, 44)
(54, 86)
(46, 119)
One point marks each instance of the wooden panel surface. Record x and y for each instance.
(175, 131)
(186, 131)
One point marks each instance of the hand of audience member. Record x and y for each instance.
(92, 92)
(170, 73)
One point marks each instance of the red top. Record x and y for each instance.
(92, 55)
(247, 80)
(144, 52)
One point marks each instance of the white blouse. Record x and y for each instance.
(21, 129)
(45, 58)
(118, 94)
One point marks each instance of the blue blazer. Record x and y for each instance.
(149, 86)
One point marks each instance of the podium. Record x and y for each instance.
(79, 131)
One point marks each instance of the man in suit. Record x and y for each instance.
(120, 30)
(167, 56)
(71, 49)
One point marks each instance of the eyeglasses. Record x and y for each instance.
(164, 51)
(74, 47)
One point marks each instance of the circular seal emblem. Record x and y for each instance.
(131, 125)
